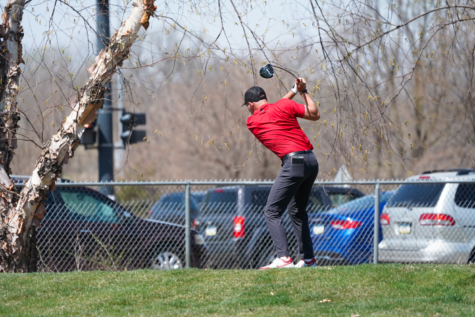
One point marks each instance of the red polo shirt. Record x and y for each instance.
(275, 125)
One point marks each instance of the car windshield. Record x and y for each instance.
(362, 203)
(171, 202)
(220, 201)
(339, 199)
(198, 197)
(415, 195)
(174, 202)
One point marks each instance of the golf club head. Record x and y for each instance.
(267, 71)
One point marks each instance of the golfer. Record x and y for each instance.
(275, 125)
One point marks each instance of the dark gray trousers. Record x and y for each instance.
(292, 189)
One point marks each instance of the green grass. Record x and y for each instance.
(383, 290)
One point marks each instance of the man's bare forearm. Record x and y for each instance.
(311, 110)
(290, 95)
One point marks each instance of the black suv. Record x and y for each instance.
(234, 227)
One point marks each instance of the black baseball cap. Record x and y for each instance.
(254, 94)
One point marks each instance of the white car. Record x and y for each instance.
(431, 223)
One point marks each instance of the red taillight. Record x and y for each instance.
(345, 224)
(436, 220)
(238, 228)
(424, 177)
(196, 224)
(219, 190)
(150, 212)
(384, 219)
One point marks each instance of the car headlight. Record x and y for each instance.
(199, 239)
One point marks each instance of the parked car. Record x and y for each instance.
(84, 229)
(432, 223)
(344, 235)
(234, 226)
(171, 208)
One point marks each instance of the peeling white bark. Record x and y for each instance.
(12, 19)
(30, 209)
(10, 72)
(13, 33)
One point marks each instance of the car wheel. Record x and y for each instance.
(167, 260)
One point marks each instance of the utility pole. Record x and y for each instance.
(104, 117)
(119, 147)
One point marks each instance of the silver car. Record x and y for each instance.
(429, 222)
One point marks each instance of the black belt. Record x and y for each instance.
(295, 153)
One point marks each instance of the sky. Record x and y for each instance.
(282, 24)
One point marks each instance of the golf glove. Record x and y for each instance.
(294, 89)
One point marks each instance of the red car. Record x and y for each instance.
(85, 230)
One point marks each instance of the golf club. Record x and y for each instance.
(268, 71)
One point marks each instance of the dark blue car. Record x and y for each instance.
(171, 208)
(344, 235)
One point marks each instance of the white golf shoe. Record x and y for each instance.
(306, 263)
(279, 263)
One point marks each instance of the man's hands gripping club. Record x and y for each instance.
(311, 111)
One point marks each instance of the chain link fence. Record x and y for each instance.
(218, 225)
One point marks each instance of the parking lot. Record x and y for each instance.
(221, 224)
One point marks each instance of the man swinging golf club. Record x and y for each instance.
(276, 126)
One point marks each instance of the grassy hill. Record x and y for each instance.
(383, 290)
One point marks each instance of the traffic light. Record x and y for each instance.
(129, 122)
(89, 135)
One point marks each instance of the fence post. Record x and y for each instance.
(187, 226)
(376, 224)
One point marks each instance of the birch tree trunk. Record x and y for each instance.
(18, 244)
(11, 34)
